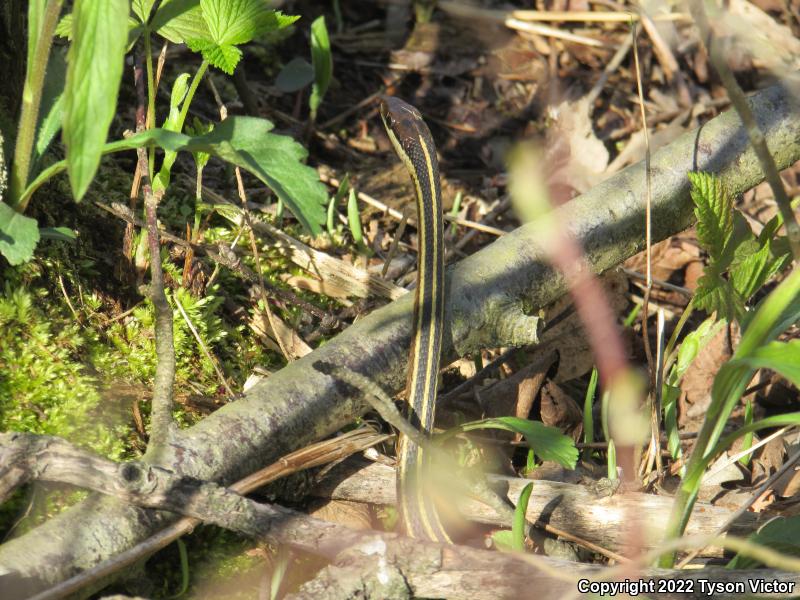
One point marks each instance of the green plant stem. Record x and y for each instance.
(612, 461)
(588, 420)
(198, 77)
(673, 339)
(717, 56)
(31, 100)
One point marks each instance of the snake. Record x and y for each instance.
(413, 144)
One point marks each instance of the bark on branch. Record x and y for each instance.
(386, 565)
(490, 294)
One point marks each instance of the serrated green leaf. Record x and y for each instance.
(295, 75)
(52, 108)
(781, 535)
(64, 27)
(714, 212)
(244, 141)
(716, 294)
(547, 442)
(18, 235)
(95, 62)
(181, 20)
(50, 126)
(233, 22)
(751, 267)
(224, 57)
(322, 61)
(142, 8)
(783, 357)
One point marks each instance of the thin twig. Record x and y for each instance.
(648, 213)
(547, 31)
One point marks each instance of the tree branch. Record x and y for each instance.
(382, 562)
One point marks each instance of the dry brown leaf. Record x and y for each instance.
(331, 288)
(768, 459)
(292, 341)
(764, 501)
(700, 376)
(578, 159)
(668, 257)
(560, 410)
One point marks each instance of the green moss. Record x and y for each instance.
(45, 385)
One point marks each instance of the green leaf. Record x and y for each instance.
(503, 539)
(276, 160)
(142, 8)
(179, 90)
(717, 294)
(295, 75)
(64, 27)
(547, 442)
(64, 234)
(94, 71)
(246, 142)
(519, 525)
(773, 315)
(780, 534)
(240, 21)
(783, 357)
(354, 219)
(692, 345)
(198, 128)
(714, 212)
(225, 57)
(228, 23)
(322, 61)
(18, 235)
(180, 20)
(52, 108)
